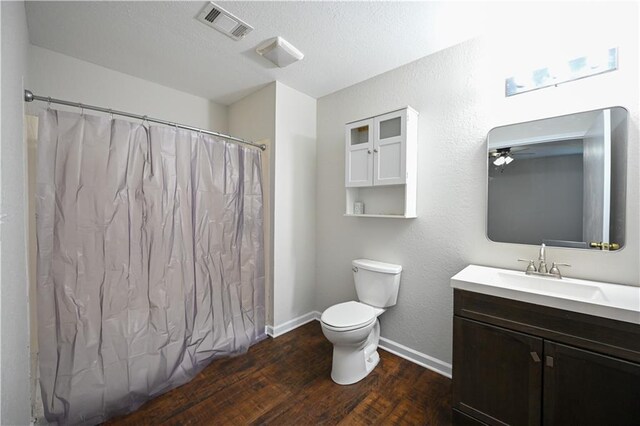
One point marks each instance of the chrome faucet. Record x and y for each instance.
(542, 258)
(541, 269)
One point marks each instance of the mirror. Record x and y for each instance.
(559, 181)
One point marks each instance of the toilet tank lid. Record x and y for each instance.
(375, 266)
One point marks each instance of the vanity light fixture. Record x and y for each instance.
(597, 62)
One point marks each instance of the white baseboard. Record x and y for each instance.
(423, 360)
(281, 329)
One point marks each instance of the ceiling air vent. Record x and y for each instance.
(216, 17)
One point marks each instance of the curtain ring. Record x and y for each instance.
(81, 109)
(144, 118)
(111, 113)
(48, 103)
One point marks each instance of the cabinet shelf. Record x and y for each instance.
(389, 216)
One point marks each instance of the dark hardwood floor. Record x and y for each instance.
(286, 381)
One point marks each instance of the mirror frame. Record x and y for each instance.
(625, 188)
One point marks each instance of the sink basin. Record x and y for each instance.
(564, 288)
(615, 301)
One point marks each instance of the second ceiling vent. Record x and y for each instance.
(228, 24)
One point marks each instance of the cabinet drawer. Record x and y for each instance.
(603, 335)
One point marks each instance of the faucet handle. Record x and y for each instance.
(531, 267)
(555, 270)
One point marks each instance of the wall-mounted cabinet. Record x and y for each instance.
(381, 165)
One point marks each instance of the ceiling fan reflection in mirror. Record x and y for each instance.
(502, 157)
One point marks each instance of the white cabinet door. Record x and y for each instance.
(389, 148)
(359, 153)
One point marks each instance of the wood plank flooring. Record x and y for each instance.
(286, 381)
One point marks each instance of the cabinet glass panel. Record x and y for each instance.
(360, 135)
(390, 128)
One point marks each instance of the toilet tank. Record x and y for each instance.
(377, 283)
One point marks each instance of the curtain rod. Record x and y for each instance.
(30, 97)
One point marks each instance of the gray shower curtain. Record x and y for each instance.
(150, 260)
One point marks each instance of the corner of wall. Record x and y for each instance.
(218, 117)
(14, 354)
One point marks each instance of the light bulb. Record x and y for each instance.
(499, 161)
(508, 159)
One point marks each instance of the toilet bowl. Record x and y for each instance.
(353, 327)
(354, 330)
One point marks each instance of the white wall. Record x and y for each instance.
(60, 76)
(14, 316)
(459, 93)
(294, 205)
(254, 118)
(287, 118)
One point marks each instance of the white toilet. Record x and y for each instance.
(353, 327)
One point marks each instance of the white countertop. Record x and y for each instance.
(614, 301)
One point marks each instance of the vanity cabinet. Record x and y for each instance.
(515, 363)
(381, 164)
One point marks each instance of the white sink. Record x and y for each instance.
(615, 301)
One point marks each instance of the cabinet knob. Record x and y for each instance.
(375, 150)
(368, 151)
(549, 361)
(535, 357)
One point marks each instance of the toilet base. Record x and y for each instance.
(353, 363)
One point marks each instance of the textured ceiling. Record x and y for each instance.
(343, 42)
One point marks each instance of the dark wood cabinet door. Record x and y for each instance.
(497, 375)
(585, 388)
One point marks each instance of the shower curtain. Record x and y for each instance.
(150, 260)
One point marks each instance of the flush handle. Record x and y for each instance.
(354, 269)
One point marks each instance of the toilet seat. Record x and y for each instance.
(348, 316)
